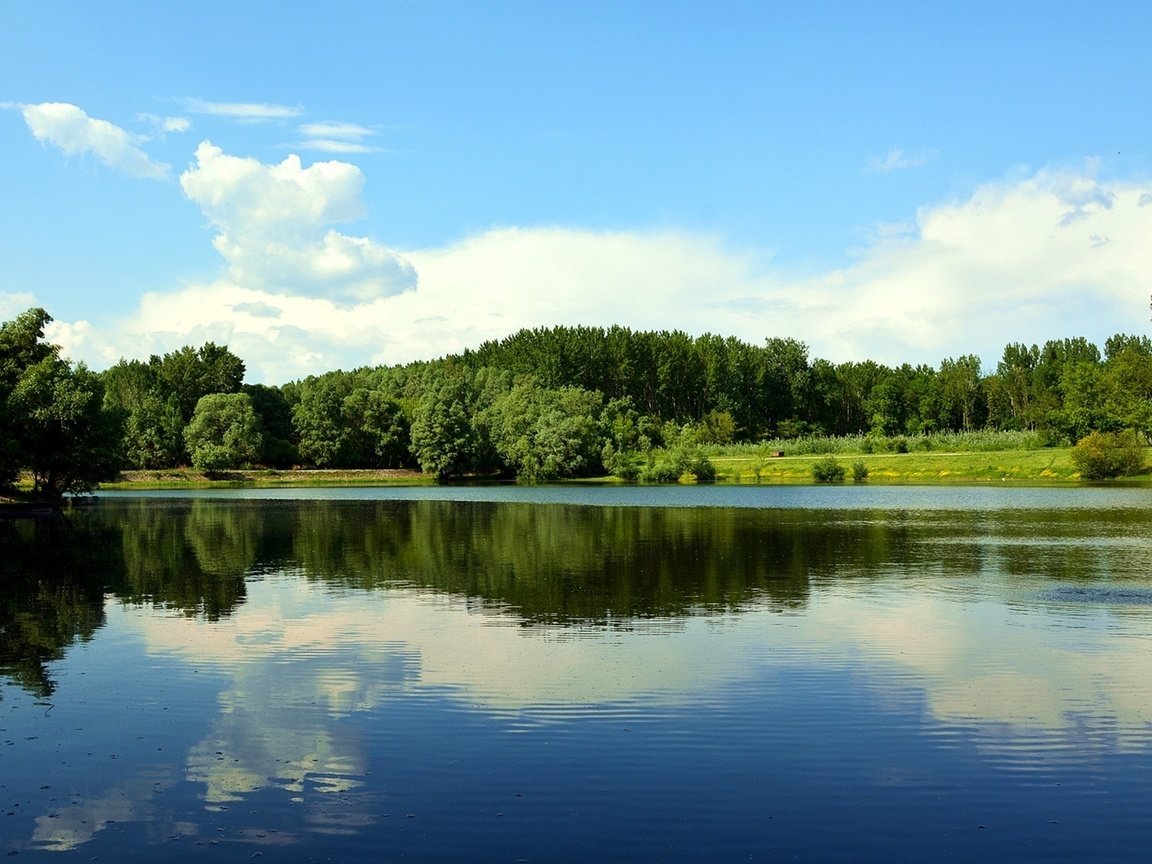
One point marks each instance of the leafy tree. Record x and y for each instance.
(960, 390)
(378, 430)
(65, 437)
(716, 427)
(153, 434)
(318, 419)
(1126, 382)
(444, 441)
(21, 346)
(273, 408)
(544, 434)
(682, 455)
(224, 432)
(189, 373)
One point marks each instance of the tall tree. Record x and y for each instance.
(224, 432)
(52, 417)
(68, 441)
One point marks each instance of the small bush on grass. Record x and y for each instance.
(1100, 455)
(859, 472)
(828, 470)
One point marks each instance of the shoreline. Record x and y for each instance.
(1047, 467)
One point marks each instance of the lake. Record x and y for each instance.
(580, 674)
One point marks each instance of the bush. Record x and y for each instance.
(859, 472)
(828, 470)
(1100, 455)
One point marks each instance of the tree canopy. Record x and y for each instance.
(545, 403)
(53, 423)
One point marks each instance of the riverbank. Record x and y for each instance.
(191, 478)
(1046, 466)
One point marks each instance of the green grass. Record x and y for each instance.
(1050, 465)
(734, 464)
(190, 478)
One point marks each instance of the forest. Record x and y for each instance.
(538, 405)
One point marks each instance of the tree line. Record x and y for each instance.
(540, 404)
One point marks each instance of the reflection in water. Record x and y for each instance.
(320, 669)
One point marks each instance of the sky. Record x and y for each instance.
(329, 186)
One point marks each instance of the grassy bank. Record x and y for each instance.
(1027, 466)
(1053, 465)
(190, 478)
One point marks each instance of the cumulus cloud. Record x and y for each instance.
(76, 134)
(273, 226)
(1004, 264)
(13, 303)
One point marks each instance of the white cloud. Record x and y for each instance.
(969, 276)
(353, 131)
(13, 303)
(273, 226)
(896, 159)
(332, 137)
(164, 125)
(75, 133)
(244, 111)
(332, 145)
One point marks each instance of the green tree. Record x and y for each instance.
(224, 432)
(65, 437)
(545, 434)
(444, 441)
(378, 430)
(318, 419)
(960, 391)
(189, 373)
(273, 408)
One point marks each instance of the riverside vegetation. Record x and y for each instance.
(579, 402)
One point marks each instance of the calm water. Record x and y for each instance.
(723, 674)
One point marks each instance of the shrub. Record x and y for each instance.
(1100, 455)
(859, 472)
(828, 470)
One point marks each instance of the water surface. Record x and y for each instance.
(557, 675)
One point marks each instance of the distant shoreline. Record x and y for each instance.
(1045, 467)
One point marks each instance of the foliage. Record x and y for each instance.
(444, 441)
(52, 417)
(828, 470)
(1101, 455)
(64, 436)
(224, 432)
(378, 430)
(681, 456)
(859, 472)
(543, 434)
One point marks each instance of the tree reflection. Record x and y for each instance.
(539, 564)
(52, 596)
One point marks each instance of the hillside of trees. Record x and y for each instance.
(538, 405)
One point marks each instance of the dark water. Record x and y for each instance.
(541, 675)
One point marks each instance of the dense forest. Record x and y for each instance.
(537, 405)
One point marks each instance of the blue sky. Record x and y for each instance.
(333, 186)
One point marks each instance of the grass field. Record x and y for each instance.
(1046, 466)
(1052, 465)
(191, 478)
